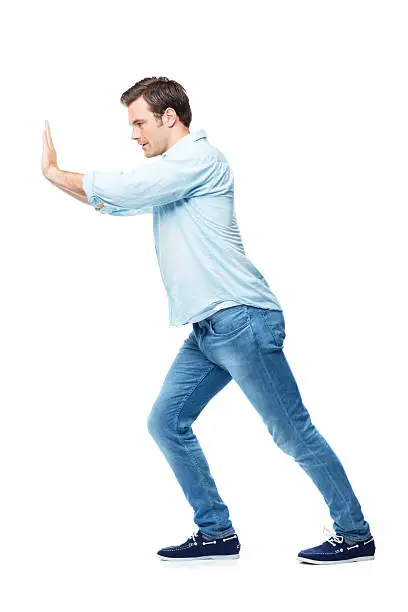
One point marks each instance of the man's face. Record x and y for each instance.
(151, 134)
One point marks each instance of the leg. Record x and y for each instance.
(255, 359)
(189, 385)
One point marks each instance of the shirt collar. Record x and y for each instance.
(185, 140)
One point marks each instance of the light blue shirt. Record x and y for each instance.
(189, 189)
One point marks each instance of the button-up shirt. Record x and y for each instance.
(189, 190)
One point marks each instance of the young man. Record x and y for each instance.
(238, 324)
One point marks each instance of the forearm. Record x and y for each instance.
(74, 195)
(71, 182)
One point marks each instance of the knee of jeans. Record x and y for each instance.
(287, 445)
(285, 440)
(153, 425)
(157, 422)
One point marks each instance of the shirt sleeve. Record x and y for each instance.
(152, 184)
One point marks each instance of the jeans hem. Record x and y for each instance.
(224, 534)
(350, 539)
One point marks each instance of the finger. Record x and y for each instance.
(46, 144)
(51, 144)
(47, 137)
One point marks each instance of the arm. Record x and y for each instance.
(70, 182)
(56, 177)
(62, 179)
(78, 197)
(146, 187)
(156, 184)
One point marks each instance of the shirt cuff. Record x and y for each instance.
(107, 209)
(87, 181)
(87, 186)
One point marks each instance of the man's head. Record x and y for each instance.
(159, 113)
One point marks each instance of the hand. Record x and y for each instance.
(49, 155)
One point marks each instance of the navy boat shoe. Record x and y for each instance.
(337, 549)
(198, 547)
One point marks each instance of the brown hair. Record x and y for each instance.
(160, 93)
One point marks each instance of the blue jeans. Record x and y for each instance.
(244, 343)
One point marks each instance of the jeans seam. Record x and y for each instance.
(290, 421)
(185, 447)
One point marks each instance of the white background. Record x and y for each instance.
(308, 101)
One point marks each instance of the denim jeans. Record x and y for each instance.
(244, 343)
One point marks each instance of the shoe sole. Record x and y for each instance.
(198, 558)
(314, 562)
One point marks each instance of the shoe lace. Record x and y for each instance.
(333, 538)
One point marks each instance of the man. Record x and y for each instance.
(238, 324)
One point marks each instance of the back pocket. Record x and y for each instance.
(229, 321)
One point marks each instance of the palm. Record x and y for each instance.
(49, 155)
